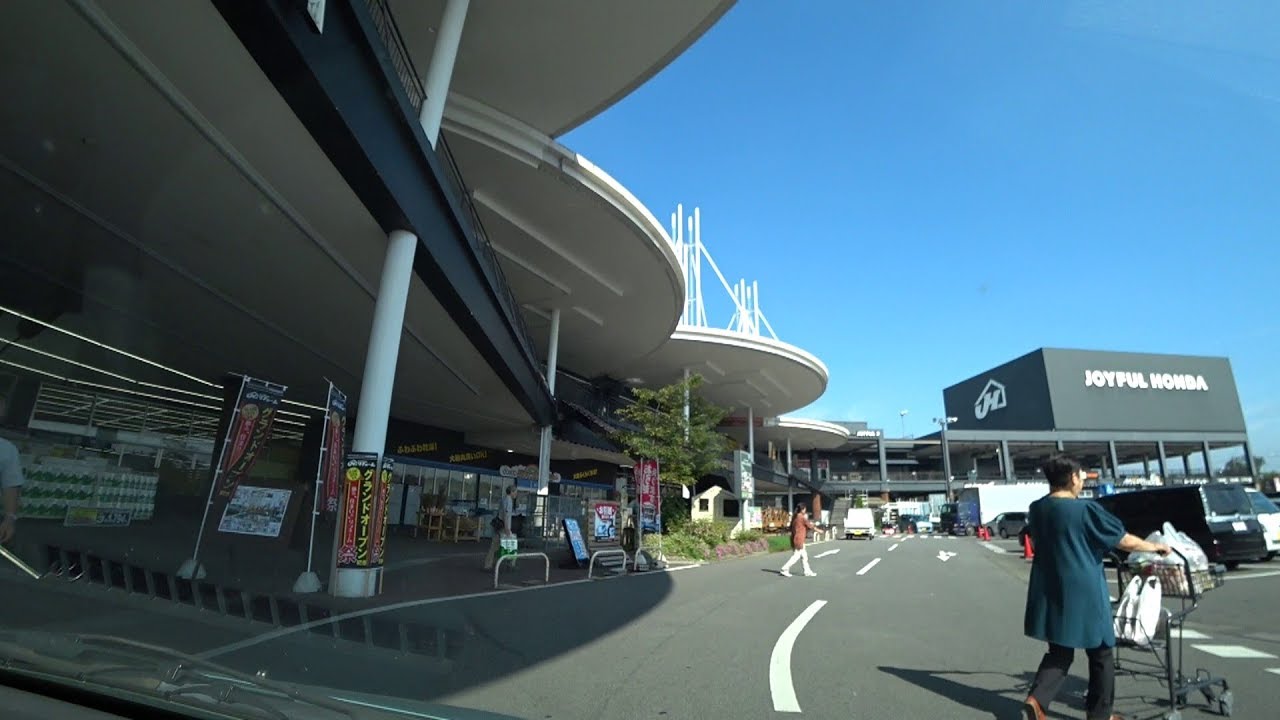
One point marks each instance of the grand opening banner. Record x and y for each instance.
(362, 528)
(248, 433)
(647, 490)
(335, 433)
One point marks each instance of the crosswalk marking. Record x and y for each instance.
(1233, 652)
(1275, 671)
(1193, 635)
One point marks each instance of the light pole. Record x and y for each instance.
(902, 415)
(946, 453)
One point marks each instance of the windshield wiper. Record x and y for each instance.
(177, 677)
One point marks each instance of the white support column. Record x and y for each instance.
(440, 71)
(376, 385)
(790, 485)
(544, 445)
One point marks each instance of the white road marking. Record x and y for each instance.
(944, 556)
(867, 568)
(1274, 670)
(829, 552)
(1193, 635)
(1238, 652)
(894, 547)
(995, 549)
(780, 685)
(1250, 576)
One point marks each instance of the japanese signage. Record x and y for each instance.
(362, 527)
(646, 474)
(249, 431)
(604, 521)
(746, 482)
(331, 452)
(524, 472)
(574, 533)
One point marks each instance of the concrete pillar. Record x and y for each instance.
(544, 444)
(1007, 461)
(440, 72)
(884, 462)
(376, 385)
(1204, 451)
(1115, 460)
(1164, 461)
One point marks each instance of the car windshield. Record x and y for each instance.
(1262, 504)
(1227, 500)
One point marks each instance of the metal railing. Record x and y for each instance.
(591, 566)
(546, 573)
(482, 248)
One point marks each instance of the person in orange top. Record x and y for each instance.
(800, 527)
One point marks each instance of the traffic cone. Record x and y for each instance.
(1028, 552)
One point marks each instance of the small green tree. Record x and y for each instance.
(684, 453)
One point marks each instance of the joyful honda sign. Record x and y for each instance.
(1144, 381)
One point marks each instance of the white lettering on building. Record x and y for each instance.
(1144, 381)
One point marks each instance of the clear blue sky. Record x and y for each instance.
(925, 189)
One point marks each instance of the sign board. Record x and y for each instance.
(744, 480)
(255, 511)
(647, 491)
(362, 522)
(96, 517)
(604, 522)
(574, 532)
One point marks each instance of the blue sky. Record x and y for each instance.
(925, 190)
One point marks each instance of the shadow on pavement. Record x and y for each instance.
(981, 699)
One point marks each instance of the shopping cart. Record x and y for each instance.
(1187, 586)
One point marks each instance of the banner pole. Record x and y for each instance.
(190, 568)
(309, 581)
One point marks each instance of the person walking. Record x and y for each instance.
(800, 527)
(1068, 603)
(501, 526)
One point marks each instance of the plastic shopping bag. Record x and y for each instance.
(1138, 615)
(1183, 543)
(507, 546)
(1143, 559)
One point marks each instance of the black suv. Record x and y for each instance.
(1218, 516)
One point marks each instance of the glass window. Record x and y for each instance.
(704, 505)
(1227, 500)
(1262, 504)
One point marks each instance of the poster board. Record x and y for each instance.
(258, 511)
(603, 516)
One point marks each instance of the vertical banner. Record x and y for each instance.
(249, 431)
(362, 528)
(746, 484)
(646, 473)
(332, 448)
(382, 496)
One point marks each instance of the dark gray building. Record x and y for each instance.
(1108, 409)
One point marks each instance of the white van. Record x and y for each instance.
(859, 522)
(1268, 518)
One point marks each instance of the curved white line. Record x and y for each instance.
(780, 687)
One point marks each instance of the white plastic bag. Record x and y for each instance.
(1183, 543)
(1138, 615)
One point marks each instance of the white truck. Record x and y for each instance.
(859, 522)
(980, 504)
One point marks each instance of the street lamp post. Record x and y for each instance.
(946, 453)
(902, 415)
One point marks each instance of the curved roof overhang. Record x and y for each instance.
(568, 237)
(739, 371)
(555, 64)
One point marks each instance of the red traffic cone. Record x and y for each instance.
(1028, 552)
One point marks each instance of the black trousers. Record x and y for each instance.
(1102, 679)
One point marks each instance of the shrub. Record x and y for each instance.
(711, 533)
(779, 543)
(747, 536)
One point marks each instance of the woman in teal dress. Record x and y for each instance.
(1068, 604)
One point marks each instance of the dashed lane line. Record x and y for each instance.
(894, 547)
(867, 568)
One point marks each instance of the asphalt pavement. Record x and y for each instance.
(925, 627)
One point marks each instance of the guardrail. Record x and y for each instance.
(546, 575)
(610, 551)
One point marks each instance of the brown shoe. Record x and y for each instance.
(1031, 710)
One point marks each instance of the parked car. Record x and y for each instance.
(1008, 524)
(1218, 516)
(1269, 517)
(914, 524)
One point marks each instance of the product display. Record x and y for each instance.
(53, 488)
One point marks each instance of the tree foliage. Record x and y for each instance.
(1237, 467)
(684, 455)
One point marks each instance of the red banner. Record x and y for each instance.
(249, 432)
(646, 474)
(333, 451)
(362, 534)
